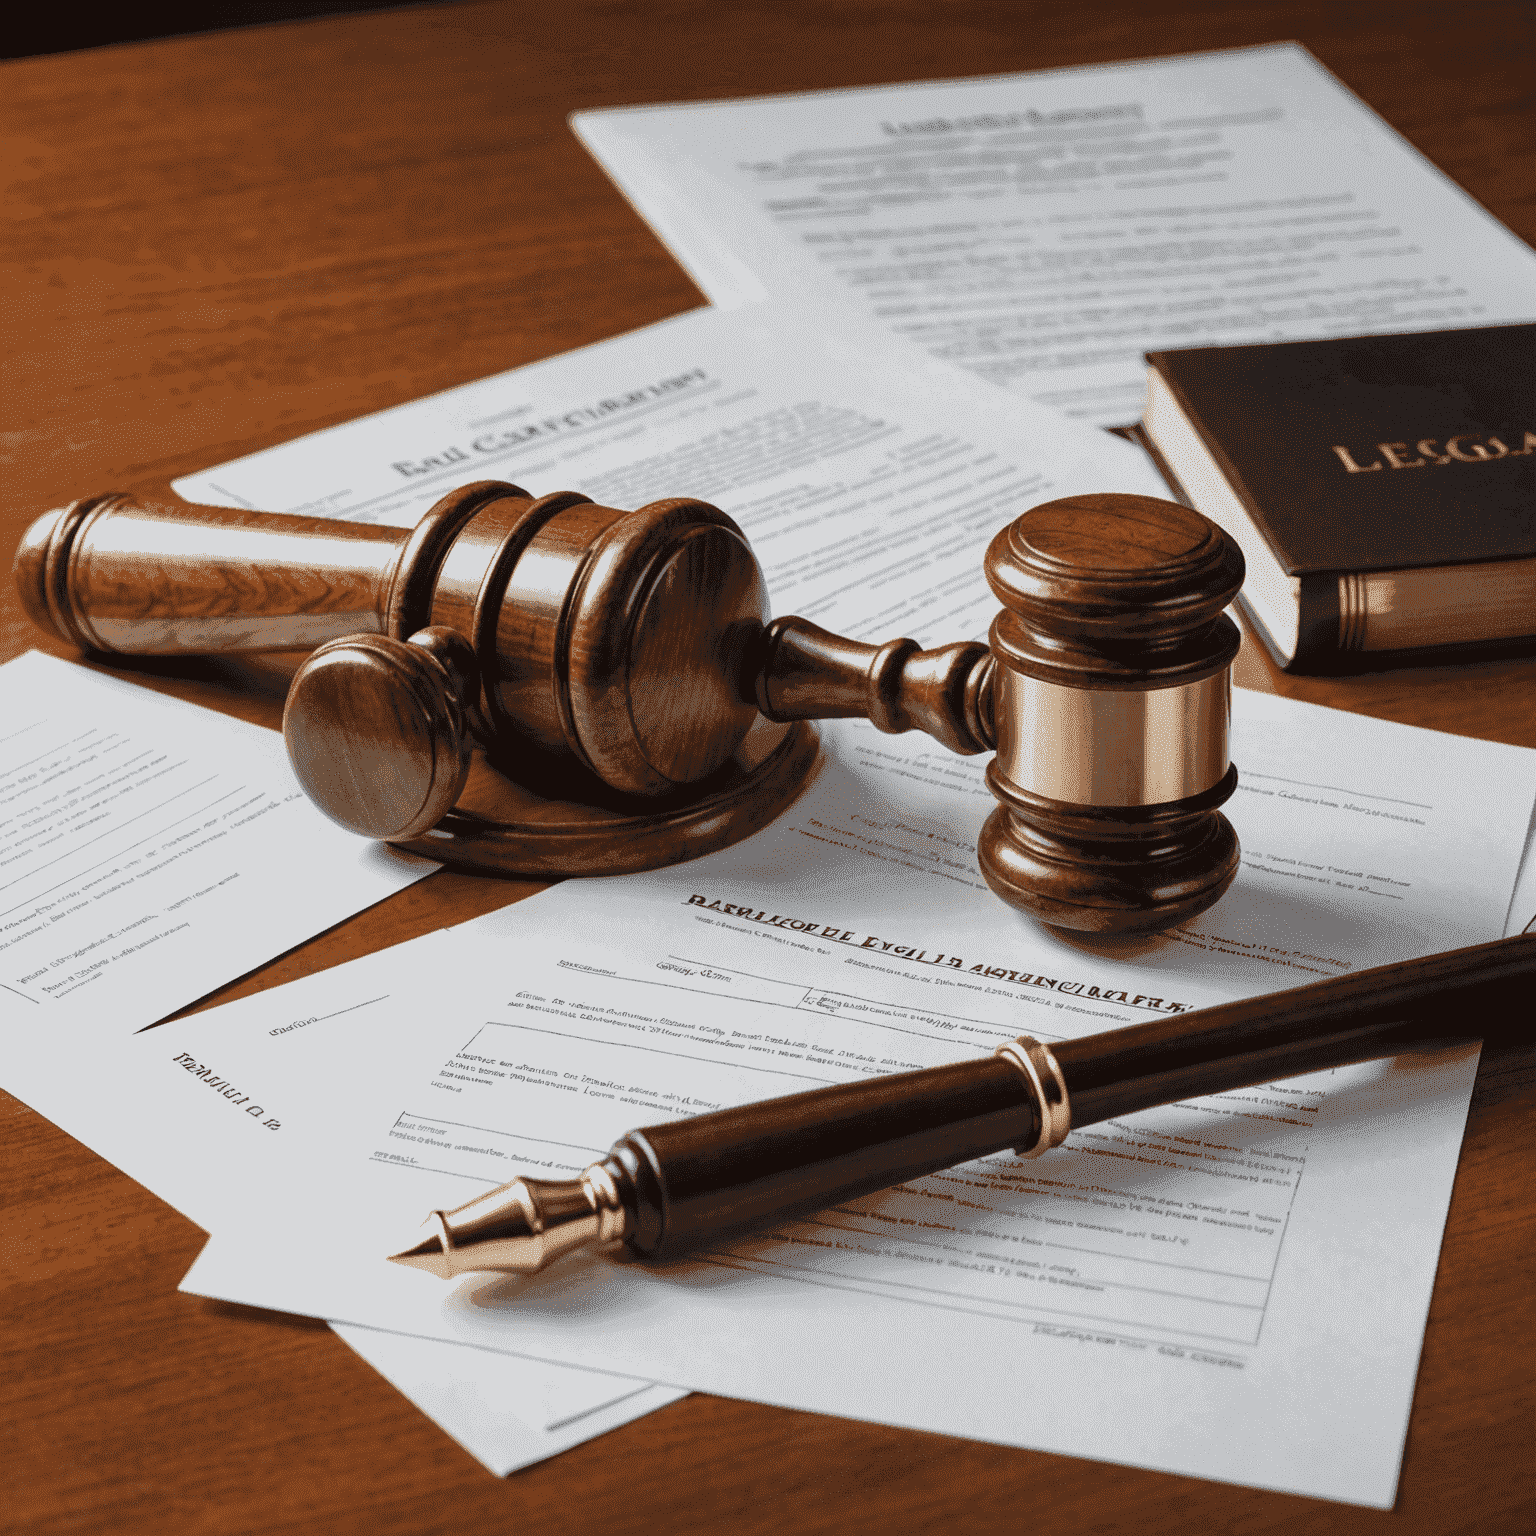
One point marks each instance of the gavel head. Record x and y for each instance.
(1111, 701)
(571, 638)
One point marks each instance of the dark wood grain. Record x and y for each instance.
(377, 730)
(1114, 592)
(1483, 989)
(589, 648)
(627, 653)
(217, 243)
(807, 673)
(692, 1180)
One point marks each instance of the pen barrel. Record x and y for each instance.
(119, 575)
(696, 1179)
(1484, 990)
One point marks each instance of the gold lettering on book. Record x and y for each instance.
(1351, 466)
(1464, 448)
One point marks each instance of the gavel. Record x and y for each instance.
(622, 669)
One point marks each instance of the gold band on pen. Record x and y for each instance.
(1043, 1073)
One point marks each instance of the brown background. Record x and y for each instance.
(217, 243)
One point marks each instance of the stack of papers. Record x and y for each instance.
(1263, 1258)
(1260, 1263)
(1260, 1260)
(149, 852)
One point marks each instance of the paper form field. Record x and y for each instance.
(142, 846)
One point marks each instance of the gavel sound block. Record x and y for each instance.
(621, 672)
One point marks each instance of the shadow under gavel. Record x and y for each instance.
(622, 670)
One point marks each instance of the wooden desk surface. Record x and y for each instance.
(218, 243)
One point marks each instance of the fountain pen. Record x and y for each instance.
(669, 1188)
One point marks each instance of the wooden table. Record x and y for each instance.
(221, 242)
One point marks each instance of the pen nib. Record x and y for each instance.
(520, 1227)
(427, 1254)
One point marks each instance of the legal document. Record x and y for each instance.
(1046, 229)
(151, 851)
(868, 478)
(196, 1139)
(1257, 1265)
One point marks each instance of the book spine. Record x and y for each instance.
(1318, 642)
(1323, 635)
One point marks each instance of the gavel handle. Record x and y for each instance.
(133, 576)
(807, 673)
(668, 1188)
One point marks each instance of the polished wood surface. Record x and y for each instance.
(614, 638)
(604, 658)
(159, 577)
(220, 242)
(377, 730)
(807, 673)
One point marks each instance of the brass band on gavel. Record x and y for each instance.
(621, 668)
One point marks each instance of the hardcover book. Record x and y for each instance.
(1382, 488)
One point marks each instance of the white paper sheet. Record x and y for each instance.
(1258, 1264)
(151, 851)
(197, 1141)
(1046, 229)
(868, 478)
(481, 1397)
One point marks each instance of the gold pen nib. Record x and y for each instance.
(519, 1227)
(427, 1254)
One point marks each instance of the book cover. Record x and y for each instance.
(1361, 455)
(1369, 453)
